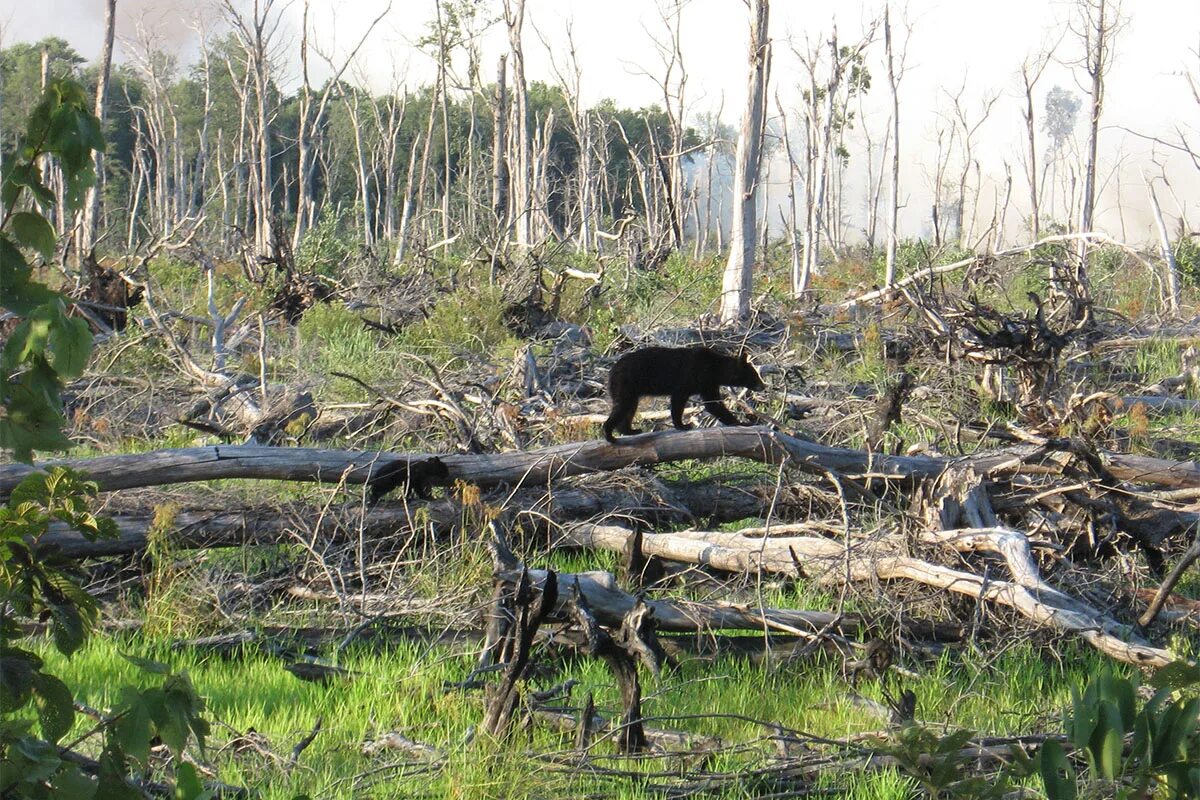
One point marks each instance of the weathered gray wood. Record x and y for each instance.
(660, 504)
(539, 467)
(828, 560)
(609, 603)
(1158, 405)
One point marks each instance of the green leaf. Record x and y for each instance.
(132, 728)
(1179, 723)
(17, 670)
(67, 626)
(1176, 675)
(1120, 691)
(21, 176)
(14, 269)
(71, 784)
(56, 706)
(1108, 753)
(113, 785)
(1057, 774)
(41, 757)
(32, 230)
(70, 345)
(147, 664)
(188, 785)
(1081, 722)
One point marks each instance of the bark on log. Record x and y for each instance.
(539, 467)
(662, 504)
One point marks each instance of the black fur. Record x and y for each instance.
(678, 372)
(415, 476)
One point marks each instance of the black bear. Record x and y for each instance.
(414, 475)
(679, 372)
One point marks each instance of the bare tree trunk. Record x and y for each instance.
(91, 205)
(894, 186)
(500, 147)
(800, 275)
(1164, 239)
(409, 200)
(1098, 29)
(967, 130)
(254, 34)
(360, 166)
(737, 281)
(521, 190)
(819, 168)
(998, 234)
(444, 99)
(874, 180)
(423, 170)
(1030, 73)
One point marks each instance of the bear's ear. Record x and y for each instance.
(742, 355)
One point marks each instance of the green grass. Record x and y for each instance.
(402, 690)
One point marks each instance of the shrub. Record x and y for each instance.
(1187, 260)
(468, 319)
(326, 246)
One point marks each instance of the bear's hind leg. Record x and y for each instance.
(678, 404)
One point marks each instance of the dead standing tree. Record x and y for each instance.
(91, 203)
(519, 157)
(310, 121)
(1031, 72)
(826, 117)
(1097, 24)
(895, 72)
(968, 128)
(255, 33)
(737, 282)
(672, 86)
(571, 82)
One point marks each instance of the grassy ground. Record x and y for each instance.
(1014, 691)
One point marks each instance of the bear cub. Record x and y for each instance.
(678, 372)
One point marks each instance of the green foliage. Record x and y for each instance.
(34, 582)
(469, 319)
(1187, 260)
(915, 254)
(1133, 749)
(47, 347)
(326, 247)
(941, 763)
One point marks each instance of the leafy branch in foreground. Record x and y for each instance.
(1127, 749)
(44, 349)
(47, 346)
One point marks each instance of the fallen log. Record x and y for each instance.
(609, 603)
(539, 467)
(657, 504)
(1156, 404)
(830, 561)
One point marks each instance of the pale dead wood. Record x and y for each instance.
(829, 561)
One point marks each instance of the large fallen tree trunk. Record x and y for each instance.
(539, 467)
(827, 560)
(661, 504)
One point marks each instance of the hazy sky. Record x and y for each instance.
(976, 43)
